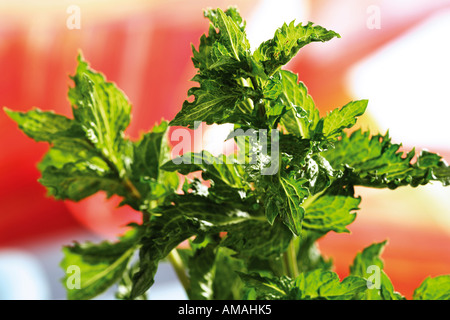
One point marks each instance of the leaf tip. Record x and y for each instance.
(9, 112)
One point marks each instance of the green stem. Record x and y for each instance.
(179, 268)
(285, 263)
(290, 260)
(133, 190)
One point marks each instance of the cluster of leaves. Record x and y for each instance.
(251, 235)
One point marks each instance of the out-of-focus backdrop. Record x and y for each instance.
(392, 52)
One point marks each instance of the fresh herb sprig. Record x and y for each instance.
(253, 227)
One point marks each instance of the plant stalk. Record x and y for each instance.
(179, 268)
(290, 260)
(130, 186)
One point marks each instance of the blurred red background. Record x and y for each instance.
(144, 46)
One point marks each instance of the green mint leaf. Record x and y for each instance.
(274, 112)
(369, 256)
(229, 182)
(317, 284)
(222, 59)
(368, 265)
(268, 288)
(437, 288)
(227, 284)
(224, 52)
(293, 213)
(103, 111)
(287, 41)
(284, 199)
(339, 119)
(441, 173)
(126, 283)
(70, 182)
(376, 162)
(165, 234)
(75, 151)
(224, 65)
(150, 153)
(223, 169)
(232, 12)
(231, 31)
(73, 169)
(320, 284)
(214, 268)
(212, 55)
(331, 211)
(41, 125)
(203, 58)
(304, 163)
(309, 257)
(202, 269)
(215, 101)
(90, 268)
(273, 88)
(220, 193)
(296, 151)
(302, 116)
(269, 241)
(89, 153)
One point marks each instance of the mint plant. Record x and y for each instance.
(252, 218)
